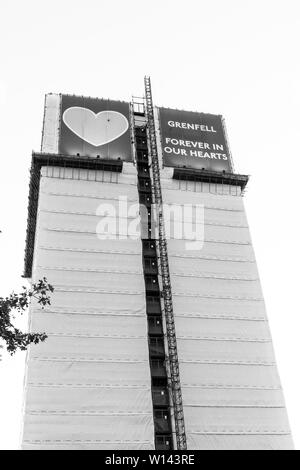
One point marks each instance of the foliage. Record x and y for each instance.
(12, 336)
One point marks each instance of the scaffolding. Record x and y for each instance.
(165, 274)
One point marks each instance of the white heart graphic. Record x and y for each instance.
(96, 129)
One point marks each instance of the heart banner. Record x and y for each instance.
(95, 127)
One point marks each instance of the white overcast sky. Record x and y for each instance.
(239, 58)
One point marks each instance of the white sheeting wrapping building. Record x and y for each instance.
(232, 397)
(88, 385)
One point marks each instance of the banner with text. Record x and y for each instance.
(95, 128)
(193, 140)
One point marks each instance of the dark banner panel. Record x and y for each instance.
(95, 128)
(193, 140)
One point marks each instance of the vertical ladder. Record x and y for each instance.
(157, 351)
(165, 273)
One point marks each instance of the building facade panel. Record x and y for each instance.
(231, 390)
(90, 380)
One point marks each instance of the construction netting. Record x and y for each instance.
(232, 396)
(88, 385)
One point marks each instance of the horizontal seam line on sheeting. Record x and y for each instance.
(88, 196)
(92, 232)
(64, 288)
(81, 270)
(87, 250)
(210, 223)
(215, 276)
(177, 274)
(200, 338)
(117, 314)
(211, 296)
(209, 240)
(211, 258)
(246, 432)
(234, 406)
(205, 206)
(216, 338)
(88, 214)
(220, 224)
(96, 413)
(94, 290)
(86, 359)
(220, 317)
(49, 441)
(238, 363)
(82, 335)
(82, 385)
(231, 386)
